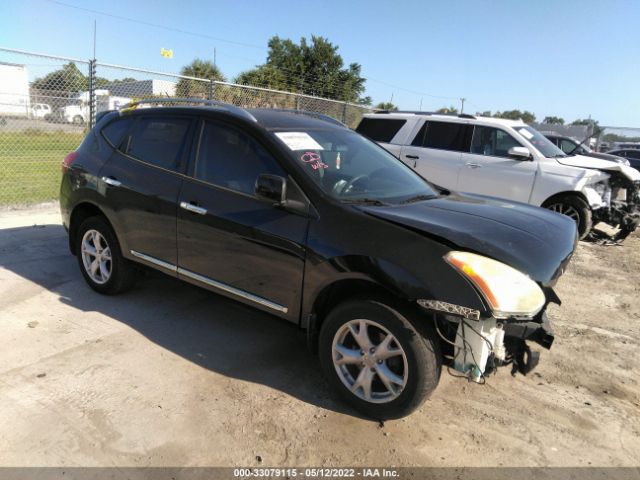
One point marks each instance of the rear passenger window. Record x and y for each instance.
(159, 141)
(380, 129)
(448, 136)
(445, 136)
(115, 130)
(232, 159)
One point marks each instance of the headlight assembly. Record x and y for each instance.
(508, 292)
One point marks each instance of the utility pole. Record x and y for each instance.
(94, 39)
(462, 100)
(214, 57)
(420, 109)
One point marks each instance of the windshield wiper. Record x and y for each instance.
(365, 201)
(418, 198)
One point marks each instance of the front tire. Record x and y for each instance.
(377, 360)
(100, 259)
(575, 208)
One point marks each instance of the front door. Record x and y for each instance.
(228, 240)
(489, 170)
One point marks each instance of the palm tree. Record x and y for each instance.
(202, 69)
(388, 106)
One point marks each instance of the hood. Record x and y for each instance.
(606, 156)
(535, 241)
(600, 164)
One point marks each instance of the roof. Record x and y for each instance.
(266, 117)
(448, 117)
(285, 119)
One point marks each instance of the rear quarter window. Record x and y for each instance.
(380, 129)
(115, 131)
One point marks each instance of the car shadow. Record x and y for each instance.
(207, 329)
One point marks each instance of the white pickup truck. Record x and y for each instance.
(511, 160)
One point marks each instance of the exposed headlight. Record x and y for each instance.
(601, 188)
(508, 291)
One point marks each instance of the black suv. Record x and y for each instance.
(571, 146)
(295, 214)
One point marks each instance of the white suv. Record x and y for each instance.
(511, 160)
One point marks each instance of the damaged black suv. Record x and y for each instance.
(291, 212)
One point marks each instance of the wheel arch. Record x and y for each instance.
(79, 214)
(337, 292)
(568, 193)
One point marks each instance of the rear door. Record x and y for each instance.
(489, 170)
(436, 151)
(141, 182)
(228, 240)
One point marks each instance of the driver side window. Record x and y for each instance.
(232, 159)
(492, 142)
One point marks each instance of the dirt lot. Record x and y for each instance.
(170, 375)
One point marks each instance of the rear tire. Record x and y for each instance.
(575, 208)
(100, 258)
(381, 377)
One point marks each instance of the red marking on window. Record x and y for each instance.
(313, 159)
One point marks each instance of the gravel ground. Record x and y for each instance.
(172, 375)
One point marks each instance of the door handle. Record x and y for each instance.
(193, 208)
(412, 157)
(473, 165)
(111, 181)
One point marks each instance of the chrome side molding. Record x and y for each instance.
(232, 290)
(212, 283)
(166, 265)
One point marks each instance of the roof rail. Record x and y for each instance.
(161, 102)
(419, 112)
(319, 116)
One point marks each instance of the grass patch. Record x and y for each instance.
(30, 164)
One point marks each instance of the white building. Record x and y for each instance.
(14, 90)
(142, 88)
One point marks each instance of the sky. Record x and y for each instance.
(572, 59)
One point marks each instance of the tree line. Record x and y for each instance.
(308, 67)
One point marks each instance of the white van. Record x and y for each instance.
(511, 160)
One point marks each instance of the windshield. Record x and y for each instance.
(540, 142)
(353, 169)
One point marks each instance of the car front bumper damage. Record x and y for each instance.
(477, 346)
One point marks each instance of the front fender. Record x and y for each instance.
(439, 281)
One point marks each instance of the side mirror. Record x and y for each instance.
(271, 188)
(520, 153)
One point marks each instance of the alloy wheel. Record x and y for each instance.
(565, 209)
(370, 361)
(96, 256)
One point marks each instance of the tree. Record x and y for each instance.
(313, 68)
(553, 120)
(594, 129)
(68, 78)
(203, 69)
(526, 116)
(388, 106)
(450, 109)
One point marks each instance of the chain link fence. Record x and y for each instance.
(48, 103)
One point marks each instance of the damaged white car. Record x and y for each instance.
(509, 159)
